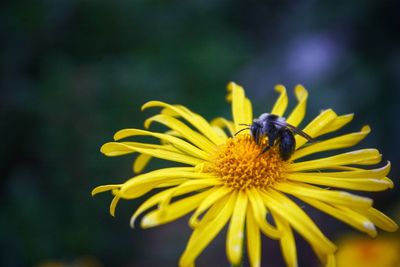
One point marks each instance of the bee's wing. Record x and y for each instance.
(299, 132)
(294, 129)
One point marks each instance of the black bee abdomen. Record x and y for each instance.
(287, 144)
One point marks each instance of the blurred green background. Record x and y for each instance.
(74, 72)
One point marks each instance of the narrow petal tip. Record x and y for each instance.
(113, 149)
(148, 222)
(132, 222)
(147, 123)
(370, 227)
(235, 255)
(104, 188)
(147, 105)
(105, 148)
(280, 88)
(366, 128)
(94, 192)
(230, 86)
(121, 134)
(389, 225)
(113, 205)
(395, 227)
(388, 166)
(193, 222)
(300, 91)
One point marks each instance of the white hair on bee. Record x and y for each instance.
(281, 120)
(263, 116)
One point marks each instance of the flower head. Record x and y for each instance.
(229, 178)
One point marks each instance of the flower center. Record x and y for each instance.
(241, 165)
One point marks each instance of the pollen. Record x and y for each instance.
(241, 165)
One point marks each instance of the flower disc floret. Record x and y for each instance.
(241, 164)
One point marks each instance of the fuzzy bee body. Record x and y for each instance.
(278, 131)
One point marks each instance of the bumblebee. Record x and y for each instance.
(278, 131)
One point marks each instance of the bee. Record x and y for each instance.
(278, 131)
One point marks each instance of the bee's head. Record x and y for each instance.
(255, 127)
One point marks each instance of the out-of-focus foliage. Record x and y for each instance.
(74, 72)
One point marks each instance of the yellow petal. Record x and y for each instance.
(390, 182)
(338, 123)
(223, 123)
(166, 110)
(216, 194)
(150, 202)
(354, 173)
(202, 236)
(348, 183)
(136, 190)
(188, 186)
(287, 241)
(329, 196)
(247, 105)
(171, 172)
(141, 162)
(260, 215)
(173, 182)
(331, 261)
(253, 239)
(343, 141)
(116, 149)
(282, 102)
(173, 133)
(298, 113)
(112, 149)
(194, 137)
(358, 157)
(113, 205)
(234, 240)
(248, 110)
(156, 199)
(213, 211)
(368, 224)
(238, 106)
(196, 120)
(220, 132)
(182, 145)
(351, 218)
(315, 127)
(173, 211)
(104, 188)
(380, 219)
(142, 184)
(164, 145)
(298, 220)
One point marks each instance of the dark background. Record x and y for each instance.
(74, 72)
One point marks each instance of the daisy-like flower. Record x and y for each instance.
(227, 180)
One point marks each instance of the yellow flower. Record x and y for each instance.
(227, 180)
(360, 251)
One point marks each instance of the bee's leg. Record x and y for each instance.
(265, 149)
(271, 139)
(258, 137)
(287, 144)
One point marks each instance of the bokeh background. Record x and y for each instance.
(74, 72)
